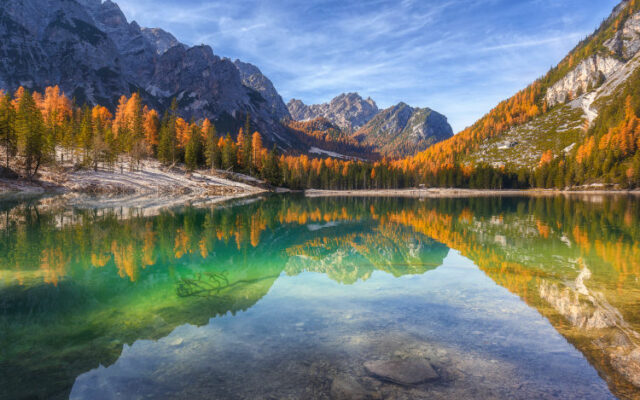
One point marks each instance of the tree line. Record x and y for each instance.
(48, 128)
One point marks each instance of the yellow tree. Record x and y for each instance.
(183, 132)
(240, 145)
(120, 122)
(150, 127)
(256, 147)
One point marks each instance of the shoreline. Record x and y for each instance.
(126, 206)
(459, 193)
(151, 187)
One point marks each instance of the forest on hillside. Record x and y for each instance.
(47, 128)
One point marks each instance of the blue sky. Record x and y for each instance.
(459, 57)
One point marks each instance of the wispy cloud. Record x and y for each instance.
(457, 56)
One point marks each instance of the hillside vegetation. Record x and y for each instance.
(559, 142)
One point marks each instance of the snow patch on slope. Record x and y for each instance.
(315, 150)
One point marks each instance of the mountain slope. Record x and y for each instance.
(95, 55)
(325, 139)
(402, 130)
(578, 101)
(254, 79)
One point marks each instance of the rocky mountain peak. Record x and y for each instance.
(162, 39)
(349, 111)
(402, 130)
(626, 42)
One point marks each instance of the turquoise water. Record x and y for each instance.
(286, 297)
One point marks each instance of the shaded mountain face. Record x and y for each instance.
(94, 54)
(253, 78)
(57, 42)
(349, 111)
(402, 130)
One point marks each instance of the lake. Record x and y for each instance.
(287, 297)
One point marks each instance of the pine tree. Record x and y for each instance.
(29, 128)
(86, 133)
(151, 127)
(7, 133)
(212, 151)
(256, 150)
(172, 133)
(167, 148)
(193, 150)
(137, 149)
(247, 154)
(229, 154)
(164, 145)
(271, 170)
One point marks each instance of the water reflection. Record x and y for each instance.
(79, 286)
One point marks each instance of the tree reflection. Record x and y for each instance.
(207, 284)
(93, 278)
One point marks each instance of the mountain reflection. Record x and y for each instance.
(75, 285)
(95, 280)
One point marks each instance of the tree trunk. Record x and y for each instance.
(35, 171)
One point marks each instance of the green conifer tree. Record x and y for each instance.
(193, 150)
(212, 151)
(29, 128)
(7, 132)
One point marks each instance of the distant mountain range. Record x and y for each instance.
(349, 111)
(95, 55)
(397, 131)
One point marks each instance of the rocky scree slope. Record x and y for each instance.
(574, 102)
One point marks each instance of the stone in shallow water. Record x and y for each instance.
(405, 372)
(347, 388)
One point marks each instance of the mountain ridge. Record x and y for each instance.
(95, 55)
(403, 130)
(348, 110)
(396, 131)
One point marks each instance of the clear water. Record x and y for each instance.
(286, 297)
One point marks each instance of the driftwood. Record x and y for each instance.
(207, 284)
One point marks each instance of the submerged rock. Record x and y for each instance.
(405, 372)
(348, 388)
